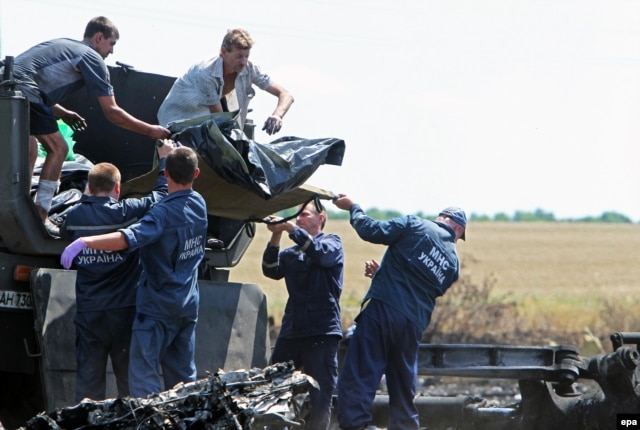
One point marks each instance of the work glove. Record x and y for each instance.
(272, 125)
(71, 251)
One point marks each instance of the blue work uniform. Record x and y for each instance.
(311, 325)
(105, 289)
(420, 264)
(49, 72)
(171, 239)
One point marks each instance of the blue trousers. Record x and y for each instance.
(316, 356)
(100, 335)
(384, 342)
(161, 346)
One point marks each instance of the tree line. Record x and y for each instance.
(519, 216)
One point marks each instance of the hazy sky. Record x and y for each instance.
(491, 105)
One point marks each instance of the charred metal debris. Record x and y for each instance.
(275, 395)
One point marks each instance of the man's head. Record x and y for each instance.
(104, 180)
(182, 166)
(235, 50)
(102, 35)
(312, 219)
(458, 220)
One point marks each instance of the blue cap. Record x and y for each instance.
(458, 216)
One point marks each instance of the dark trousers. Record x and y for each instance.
(100, 335)
(317, 357)
(162, 349)
(384, 342)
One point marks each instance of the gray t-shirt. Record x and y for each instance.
(50, 71)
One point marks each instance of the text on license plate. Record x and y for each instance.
(15, 300)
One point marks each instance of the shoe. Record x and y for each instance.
(52, 229)
(213, 243)
(42, 212)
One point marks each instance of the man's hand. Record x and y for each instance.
(73, 120)
(276, 227)
(164, 147)
(71, 251)
(370, 268)
(273, 124)
(159, 132)
(343, 202)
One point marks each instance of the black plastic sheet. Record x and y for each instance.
(264, 169)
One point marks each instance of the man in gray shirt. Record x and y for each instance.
(50, 71)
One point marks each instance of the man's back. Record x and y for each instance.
(171, 237)
(419, 265)
(105, 280)
(50, 71)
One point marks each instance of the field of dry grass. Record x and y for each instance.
(554, 276)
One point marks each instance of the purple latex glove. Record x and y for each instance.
(71, 251)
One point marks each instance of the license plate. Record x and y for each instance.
(15, 300)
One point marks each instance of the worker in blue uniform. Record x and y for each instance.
(419, 265)
(106, 281)
(311, 326)
(171, 237)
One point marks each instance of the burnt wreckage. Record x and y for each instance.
(37, 366)
(274, 396)
(277, 396)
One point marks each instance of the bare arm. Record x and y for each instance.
(106, 242)
(273, 124)
(285, 99)
(71, 118)
(120, 117)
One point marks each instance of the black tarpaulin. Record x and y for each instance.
(264, 169)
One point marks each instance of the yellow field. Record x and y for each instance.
(563, 275)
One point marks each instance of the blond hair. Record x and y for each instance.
(237, 38)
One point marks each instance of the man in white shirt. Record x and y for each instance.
(216, 84)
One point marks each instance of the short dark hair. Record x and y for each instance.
(103, 177)
(317, 207)
(101, 24)
(181, 165)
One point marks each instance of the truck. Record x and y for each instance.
(37, 297)
(37, 364)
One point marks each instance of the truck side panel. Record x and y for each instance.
(20, 227)
(17, 338)
(232, 331)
